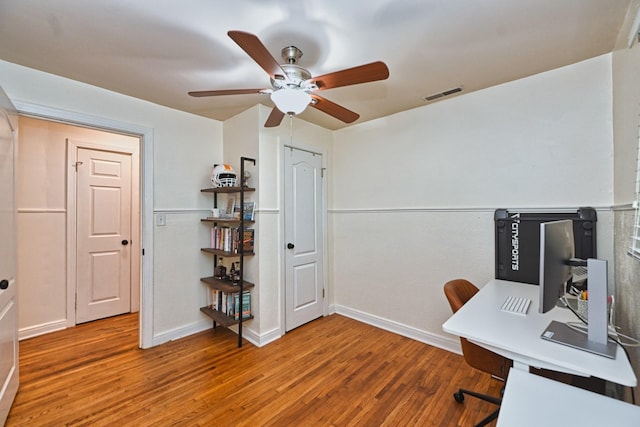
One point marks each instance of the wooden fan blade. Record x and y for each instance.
(274, 119)
(333, 109)
(202, 93)
(252, 45)
(352, 76)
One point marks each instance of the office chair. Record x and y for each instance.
(458, 292)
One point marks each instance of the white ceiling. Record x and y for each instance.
(158, 50)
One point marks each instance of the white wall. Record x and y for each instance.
(245, 135)
(626, 107)
(414, 193)
(241, 135)
(626, 93)
(185, 147)
(291, 133)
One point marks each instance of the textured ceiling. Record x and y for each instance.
(158, 50)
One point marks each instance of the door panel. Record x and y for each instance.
(305, 285)
(103, 234)
(9, 375)
(303, 230)
(8, 355)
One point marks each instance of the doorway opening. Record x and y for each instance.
(142, 293)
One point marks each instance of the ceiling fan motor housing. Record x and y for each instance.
(291, 54)
(295, 75)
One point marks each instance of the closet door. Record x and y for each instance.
(304, 236)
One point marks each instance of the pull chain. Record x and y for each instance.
(291, 129)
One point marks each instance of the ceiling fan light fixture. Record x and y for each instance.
(291, 101)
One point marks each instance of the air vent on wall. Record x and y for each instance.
(443, 94)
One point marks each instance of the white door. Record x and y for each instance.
(8, 285)
(103, 218)
(304, 237)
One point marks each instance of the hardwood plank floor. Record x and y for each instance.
(334, 371)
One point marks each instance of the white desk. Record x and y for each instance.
(517, 337)
(532, 401)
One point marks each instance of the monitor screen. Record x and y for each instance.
(556, 249)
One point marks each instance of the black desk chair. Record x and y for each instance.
(458, 292)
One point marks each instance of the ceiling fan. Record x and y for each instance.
(293, 87)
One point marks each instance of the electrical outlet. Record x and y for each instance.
(161, 219)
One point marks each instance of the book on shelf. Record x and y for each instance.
(236, 211)
(246, 305)
(229, 304)
(230, 308)
(223, 303)
(248, 240)
(230, 205)
(248, 211)
(215, 302)
(227, 239)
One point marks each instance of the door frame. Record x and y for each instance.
(11, 383)
(146, 195)
(325, 269)
(72, 215)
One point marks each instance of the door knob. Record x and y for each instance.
(125, 242)
(290, 246)
(4, 284)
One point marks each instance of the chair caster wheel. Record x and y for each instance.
(459, 397)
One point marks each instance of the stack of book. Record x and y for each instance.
(229, 303)
(226, 239)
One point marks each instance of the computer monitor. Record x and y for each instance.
(556, 256)
(556, 249)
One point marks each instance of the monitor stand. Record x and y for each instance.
(596, 340)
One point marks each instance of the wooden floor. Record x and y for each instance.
(334, 371)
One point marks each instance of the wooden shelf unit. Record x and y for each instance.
(223, 285)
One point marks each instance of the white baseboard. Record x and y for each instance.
(445, 343)
(263, 339)
(260, 340)
(332, 309)
(177, 333)
(45, 328)
(203, 325)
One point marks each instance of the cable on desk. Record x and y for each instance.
(615, 338)
(567, 305)
(632, 342)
